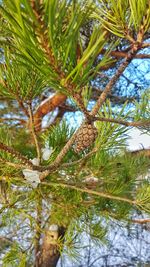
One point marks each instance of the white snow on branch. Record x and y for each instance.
(46, 153)
(32, 177)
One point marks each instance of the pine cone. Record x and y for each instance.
(86, 136)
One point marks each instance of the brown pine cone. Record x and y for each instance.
(86, 137)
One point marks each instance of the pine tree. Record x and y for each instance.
(57, 58)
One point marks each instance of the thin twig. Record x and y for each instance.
(19, 100)
(145, 45)
(78, 98)
(34, 133)
(145, 152)
(114, 98)
(122, 54)
(141, 221)
(113, 80)
(9, 205)
(122, 122)
(21, 104)
(22, 121)
(80, 160)
(60, 156)
(92, 192)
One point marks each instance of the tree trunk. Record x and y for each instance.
(38, 231)
(50, 249)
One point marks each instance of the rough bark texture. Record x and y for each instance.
(46, 107)
(144, 152)
(50, 251)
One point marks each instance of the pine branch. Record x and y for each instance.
(145, 152)
(59, 98)
(62, 153)
(122, 122)
(145, 45)
(9, 205)
(114, 79)
(22, 121)
(21, 104)
(122, 54)
(140, 221)
(19, 100)
(47, 106)
(93, 192)
(113, 98)
(69, 86)
(94, 111)
(53, 167)
(78, 98)
(16, 154)
(143, 25)
(57, 161)
(41, 32)
(15, 165)
(83, 160)
(46, 170)
(77, 162)
(34, 133)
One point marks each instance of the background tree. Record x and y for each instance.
(58, 179)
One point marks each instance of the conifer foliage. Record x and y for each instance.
(62, 59)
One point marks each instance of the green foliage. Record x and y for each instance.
(24, 43)
(83, 68)
(86, 95)
(73, 237)
(143, 195)
(60, 45)
(31, 44)
(111, 136)
(139, 9)
(14, 257)
(142, 108)
(56, 137)
(20, 82)
(123, 17)
(23, 143)
(5, 136)
(8, 137)
(65, 20)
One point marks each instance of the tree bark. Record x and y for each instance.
(50, 249)
(47, 106)
(38, 231)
